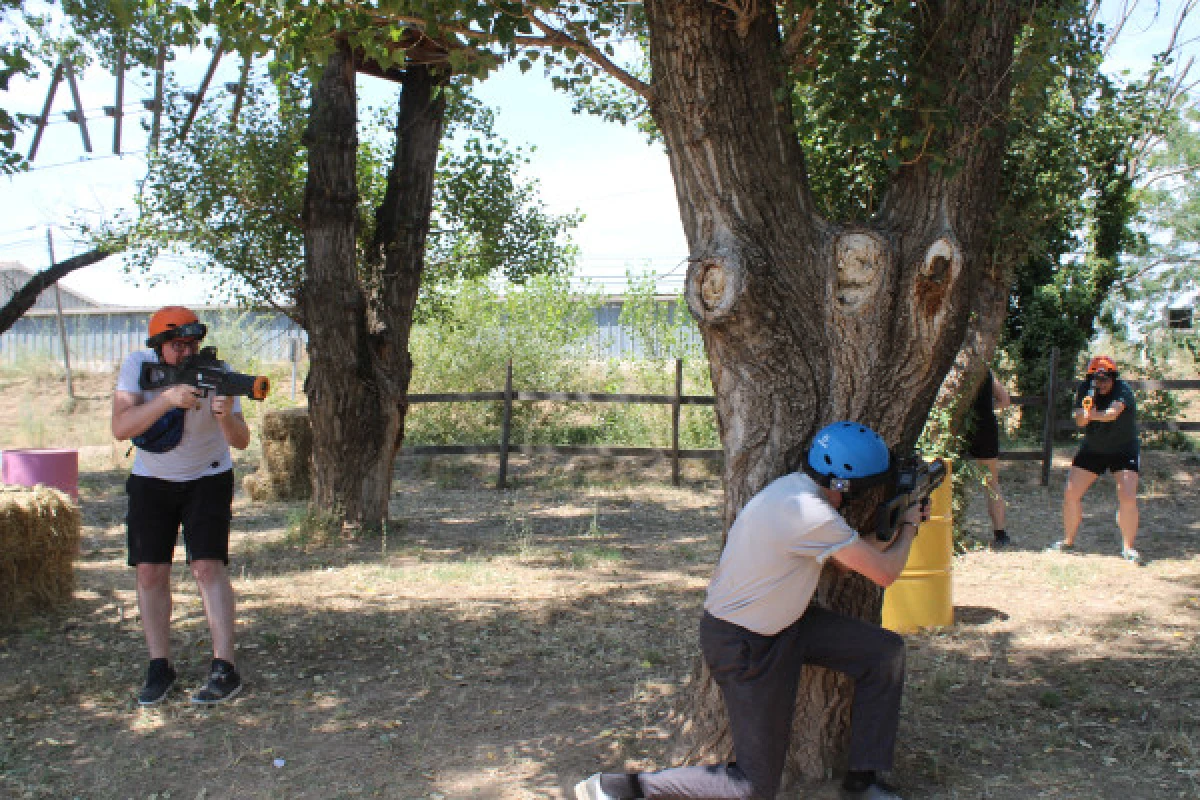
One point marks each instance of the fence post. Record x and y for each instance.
(504, 424)
(1050, 423)
(62, 326)
(294, 356)
(675, 403)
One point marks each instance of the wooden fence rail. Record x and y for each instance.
(508, 397)
(678, 399)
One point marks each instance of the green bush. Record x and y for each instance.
(549, 332)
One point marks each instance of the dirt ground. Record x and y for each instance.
(506, 644)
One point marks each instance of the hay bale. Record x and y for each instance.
(39, 540)
(286, 469)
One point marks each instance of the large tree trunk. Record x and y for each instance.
(807, 321)
(359, 320)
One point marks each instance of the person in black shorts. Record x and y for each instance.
(1105, 408)
(182, 479)
(983, 445)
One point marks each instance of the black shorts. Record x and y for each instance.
(1098, 463)
(157, 509)
(985, 439)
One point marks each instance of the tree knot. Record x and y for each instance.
(941, 265)
(712, 288)
(861, 258)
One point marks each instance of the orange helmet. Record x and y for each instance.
(173, 322)
(1102, 364)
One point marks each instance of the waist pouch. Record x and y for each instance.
(164, 434)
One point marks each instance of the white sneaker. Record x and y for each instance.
(1131, 555)
(590, 790)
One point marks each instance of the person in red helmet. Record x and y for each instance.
(182, 478)
(1106, 410)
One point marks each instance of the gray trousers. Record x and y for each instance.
(758, 676)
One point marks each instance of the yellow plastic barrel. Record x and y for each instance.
(921, 596)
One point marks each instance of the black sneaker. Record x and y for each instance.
(160, 677)
(1001, 540)
(224, 683)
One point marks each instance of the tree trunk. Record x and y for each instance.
(807, 321)
(402, 227)
(359, 320)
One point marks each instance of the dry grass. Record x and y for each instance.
(39, 539)
(504, 644)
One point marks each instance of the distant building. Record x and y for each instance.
(14, 275)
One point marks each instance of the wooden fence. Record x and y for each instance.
(508, 397)
(678, 399)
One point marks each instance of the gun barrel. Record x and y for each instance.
(209, 378)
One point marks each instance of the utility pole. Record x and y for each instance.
(62, 326)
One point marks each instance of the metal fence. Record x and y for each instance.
(99, 338)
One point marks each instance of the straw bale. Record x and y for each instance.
(39, 540)
(286, 469)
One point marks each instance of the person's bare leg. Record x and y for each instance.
(1078, 482)
(997, 508)
(219, 605)
(154, 603)
(1127, 509)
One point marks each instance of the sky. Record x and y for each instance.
(619, 181)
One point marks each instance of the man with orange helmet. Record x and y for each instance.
(1106, 410)
(182, 479)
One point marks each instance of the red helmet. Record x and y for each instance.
(1102, 364)
(174, 322)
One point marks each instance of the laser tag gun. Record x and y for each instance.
(915, 481)
(1089, 399)
(204, 371)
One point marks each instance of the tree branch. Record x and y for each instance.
(554, 37)
(27, 295)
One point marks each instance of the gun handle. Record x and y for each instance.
(262, 385)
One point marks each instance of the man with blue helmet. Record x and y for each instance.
(759, 628)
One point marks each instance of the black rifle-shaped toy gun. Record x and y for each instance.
(204, 371)
(915, 481)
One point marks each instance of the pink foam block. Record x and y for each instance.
(56, 468)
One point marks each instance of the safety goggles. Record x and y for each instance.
(191, 330)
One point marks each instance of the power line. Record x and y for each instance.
(88, 160)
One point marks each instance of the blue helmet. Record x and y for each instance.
(848, 455)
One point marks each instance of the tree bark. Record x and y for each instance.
(359, 316)
(24, 298)
(807, 321)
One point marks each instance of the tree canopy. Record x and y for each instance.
(235, 195)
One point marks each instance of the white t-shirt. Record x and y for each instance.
(773, 555)
(203, 449)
